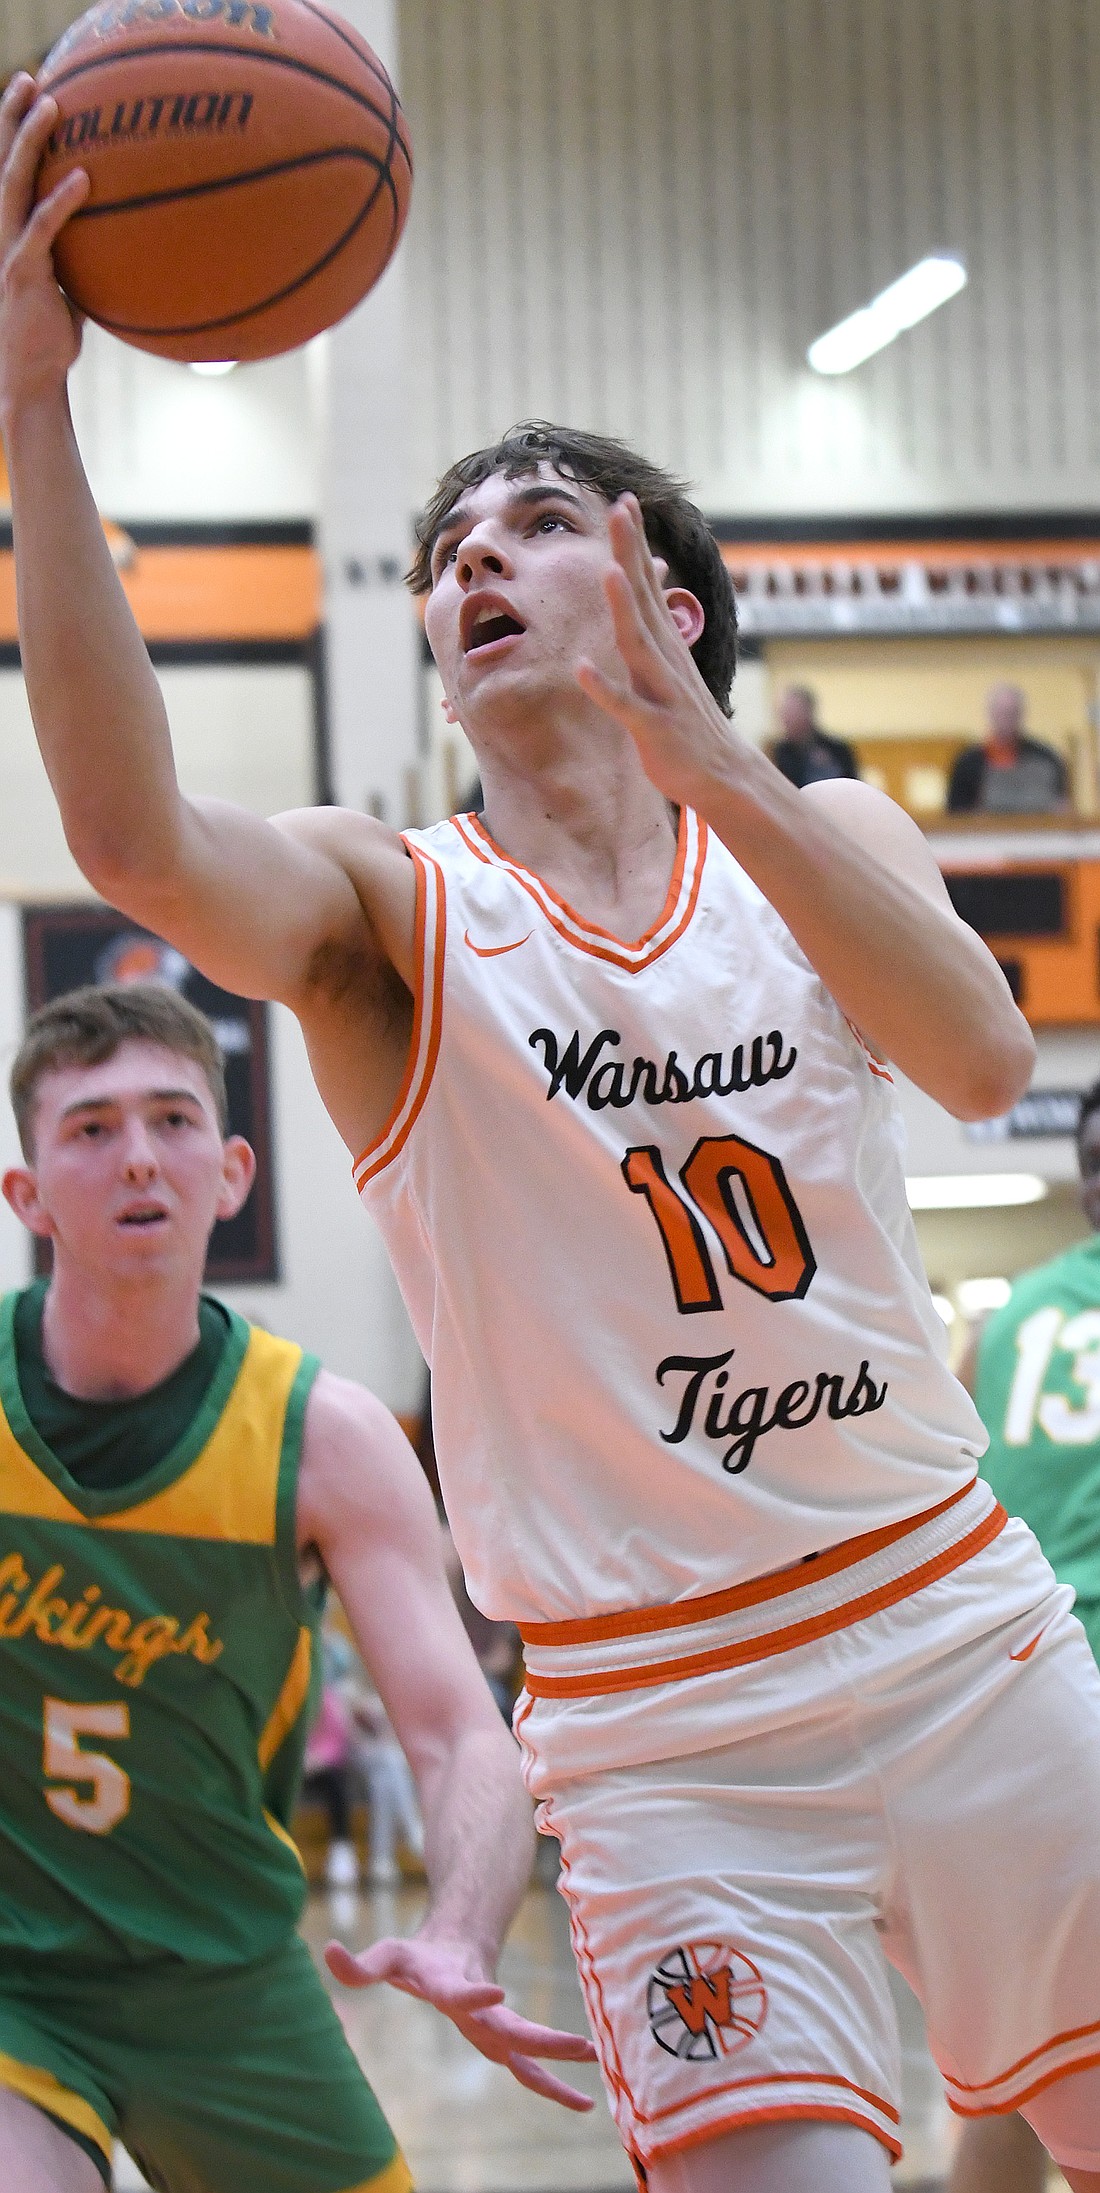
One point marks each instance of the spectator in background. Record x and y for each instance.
(1010, 773)
(391, 1791)
(327, 1775)
(806, 754)
(1032, 1371)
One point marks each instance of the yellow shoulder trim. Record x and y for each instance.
(24, 1488)
(230, 1489)
(46, 2092)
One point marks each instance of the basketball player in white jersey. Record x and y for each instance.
(798, 1696)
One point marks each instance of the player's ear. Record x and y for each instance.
(20, 1186)
(448, 710)
(238, 1174)
(687, 613)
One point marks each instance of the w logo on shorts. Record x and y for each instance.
(705, 2000)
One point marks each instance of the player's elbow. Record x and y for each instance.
(995, 1071)
(118, 860)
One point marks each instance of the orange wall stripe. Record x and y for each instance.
(254, 593)
(819, 555)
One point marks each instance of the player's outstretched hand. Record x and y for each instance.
(680, 732)
(445, 1974)
(39, 331)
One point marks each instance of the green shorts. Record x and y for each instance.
(217, 2081)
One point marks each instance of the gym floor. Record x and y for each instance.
(466, 2127)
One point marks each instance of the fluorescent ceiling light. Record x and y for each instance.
(972, 1191)
(212, 367)
(911, 298)
(975, 1296)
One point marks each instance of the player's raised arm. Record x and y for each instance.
(363, 1502)
(847, 870)
(257, 906)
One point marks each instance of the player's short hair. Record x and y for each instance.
(675, 529)
(1090, 1103)
(86, 1027)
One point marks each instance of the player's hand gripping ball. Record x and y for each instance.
(250, 171)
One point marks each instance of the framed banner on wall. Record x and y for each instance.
(67, 946)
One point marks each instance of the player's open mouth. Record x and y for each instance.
(486, 622)
(153, 1216)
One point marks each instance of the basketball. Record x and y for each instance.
(250, 171)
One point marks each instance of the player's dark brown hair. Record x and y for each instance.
(675, 529)
(86, 1027)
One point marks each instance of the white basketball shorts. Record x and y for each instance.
(761, 1794)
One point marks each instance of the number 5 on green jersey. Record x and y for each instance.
(64, 1761)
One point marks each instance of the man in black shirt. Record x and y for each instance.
(806, 754)
(1009, 773)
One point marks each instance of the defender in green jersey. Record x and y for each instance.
(175, 1488)
(1035, 1375)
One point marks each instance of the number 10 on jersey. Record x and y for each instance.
(743, 1192)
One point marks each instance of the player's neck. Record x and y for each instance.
(603, 837)
(106, 1341)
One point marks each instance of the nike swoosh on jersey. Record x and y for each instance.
(492, 951)
(1029, 1648)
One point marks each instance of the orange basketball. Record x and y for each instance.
(250, 171)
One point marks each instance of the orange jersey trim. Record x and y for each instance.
(774, 2078)
(642, 1621)
(1023, 2094)
(429, 950)
(877, 1065)
(680, 901)
(1088, 2035)
(779, 2113)
(751, 1649)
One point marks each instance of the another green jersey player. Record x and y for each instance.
(1035, 1374)
(175, 1488)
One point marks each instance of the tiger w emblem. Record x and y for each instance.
(704, 2001)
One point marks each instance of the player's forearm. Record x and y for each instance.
(479, 1841)
(919, 985)
(95, 701)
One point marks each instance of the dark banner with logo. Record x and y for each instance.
(67, 946)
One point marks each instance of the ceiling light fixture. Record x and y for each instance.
(213, 368)
(972, 1191)
(911, 298)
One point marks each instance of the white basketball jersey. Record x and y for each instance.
(645, 1203)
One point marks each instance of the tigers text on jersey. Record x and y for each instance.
(156, 1675)
(646, 1206)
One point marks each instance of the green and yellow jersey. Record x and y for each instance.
(1038, 1393)
(157, 1656)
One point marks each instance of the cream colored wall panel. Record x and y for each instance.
(637, 217)
(241, 734)
(161, 442)
(15, 1255)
